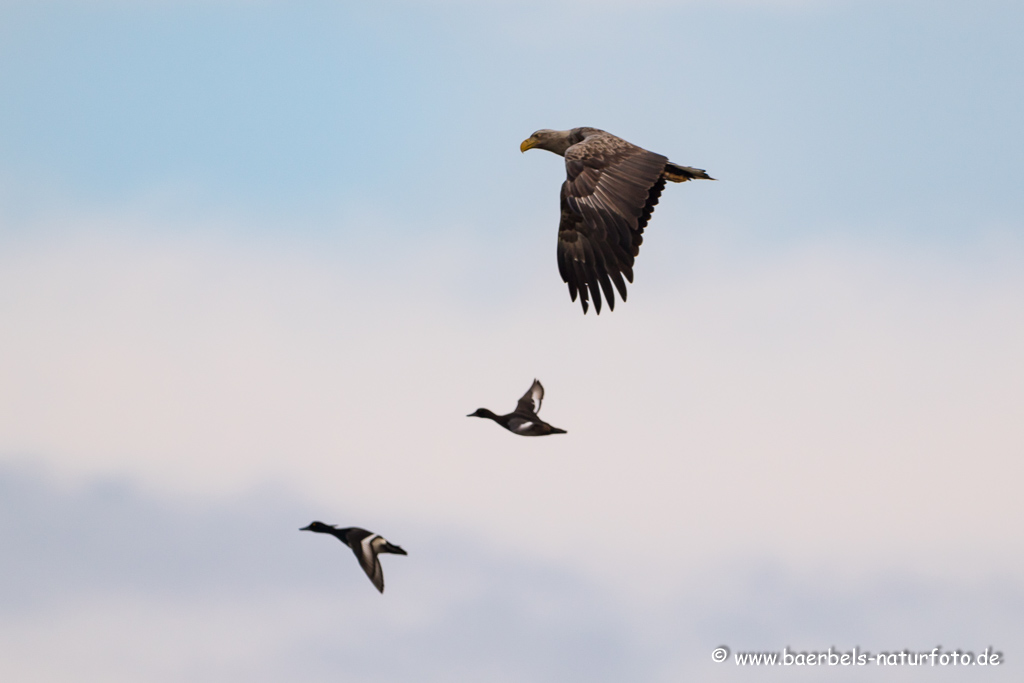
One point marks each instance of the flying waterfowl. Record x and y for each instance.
(523, 420)
(607, 200)
(365, 544)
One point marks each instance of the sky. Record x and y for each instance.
(258, 261)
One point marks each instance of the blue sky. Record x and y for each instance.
(825, 113)
(258, 260)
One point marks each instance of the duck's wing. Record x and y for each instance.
(609, 194)
(362, 544)
(531, 400)
(520, 425)
(382, 545)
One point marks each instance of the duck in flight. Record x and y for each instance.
(523, 420)
(365, 544)
(610, 192)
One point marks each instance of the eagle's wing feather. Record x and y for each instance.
(608, 196)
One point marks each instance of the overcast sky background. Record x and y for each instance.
(259, 259)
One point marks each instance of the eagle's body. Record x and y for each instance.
(607, 199)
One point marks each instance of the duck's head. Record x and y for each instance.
(482, 412)
(319, 527)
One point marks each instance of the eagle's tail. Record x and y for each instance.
(680, 174)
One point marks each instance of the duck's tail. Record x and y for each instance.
(680, 174)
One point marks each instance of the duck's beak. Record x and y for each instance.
(307, 528)
(528, 143)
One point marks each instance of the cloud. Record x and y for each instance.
(828, 404)
(136, 586)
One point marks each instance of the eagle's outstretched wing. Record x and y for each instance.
(610, 192)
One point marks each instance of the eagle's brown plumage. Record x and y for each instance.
(607, 199)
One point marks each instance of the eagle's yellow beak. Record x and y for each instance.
(528, 143)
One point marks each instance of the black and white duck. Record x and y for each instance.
(365, 544)
(523, 420)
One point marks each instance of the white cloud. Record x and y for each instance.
(317, 636)
(164, 590)
(830, 404)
